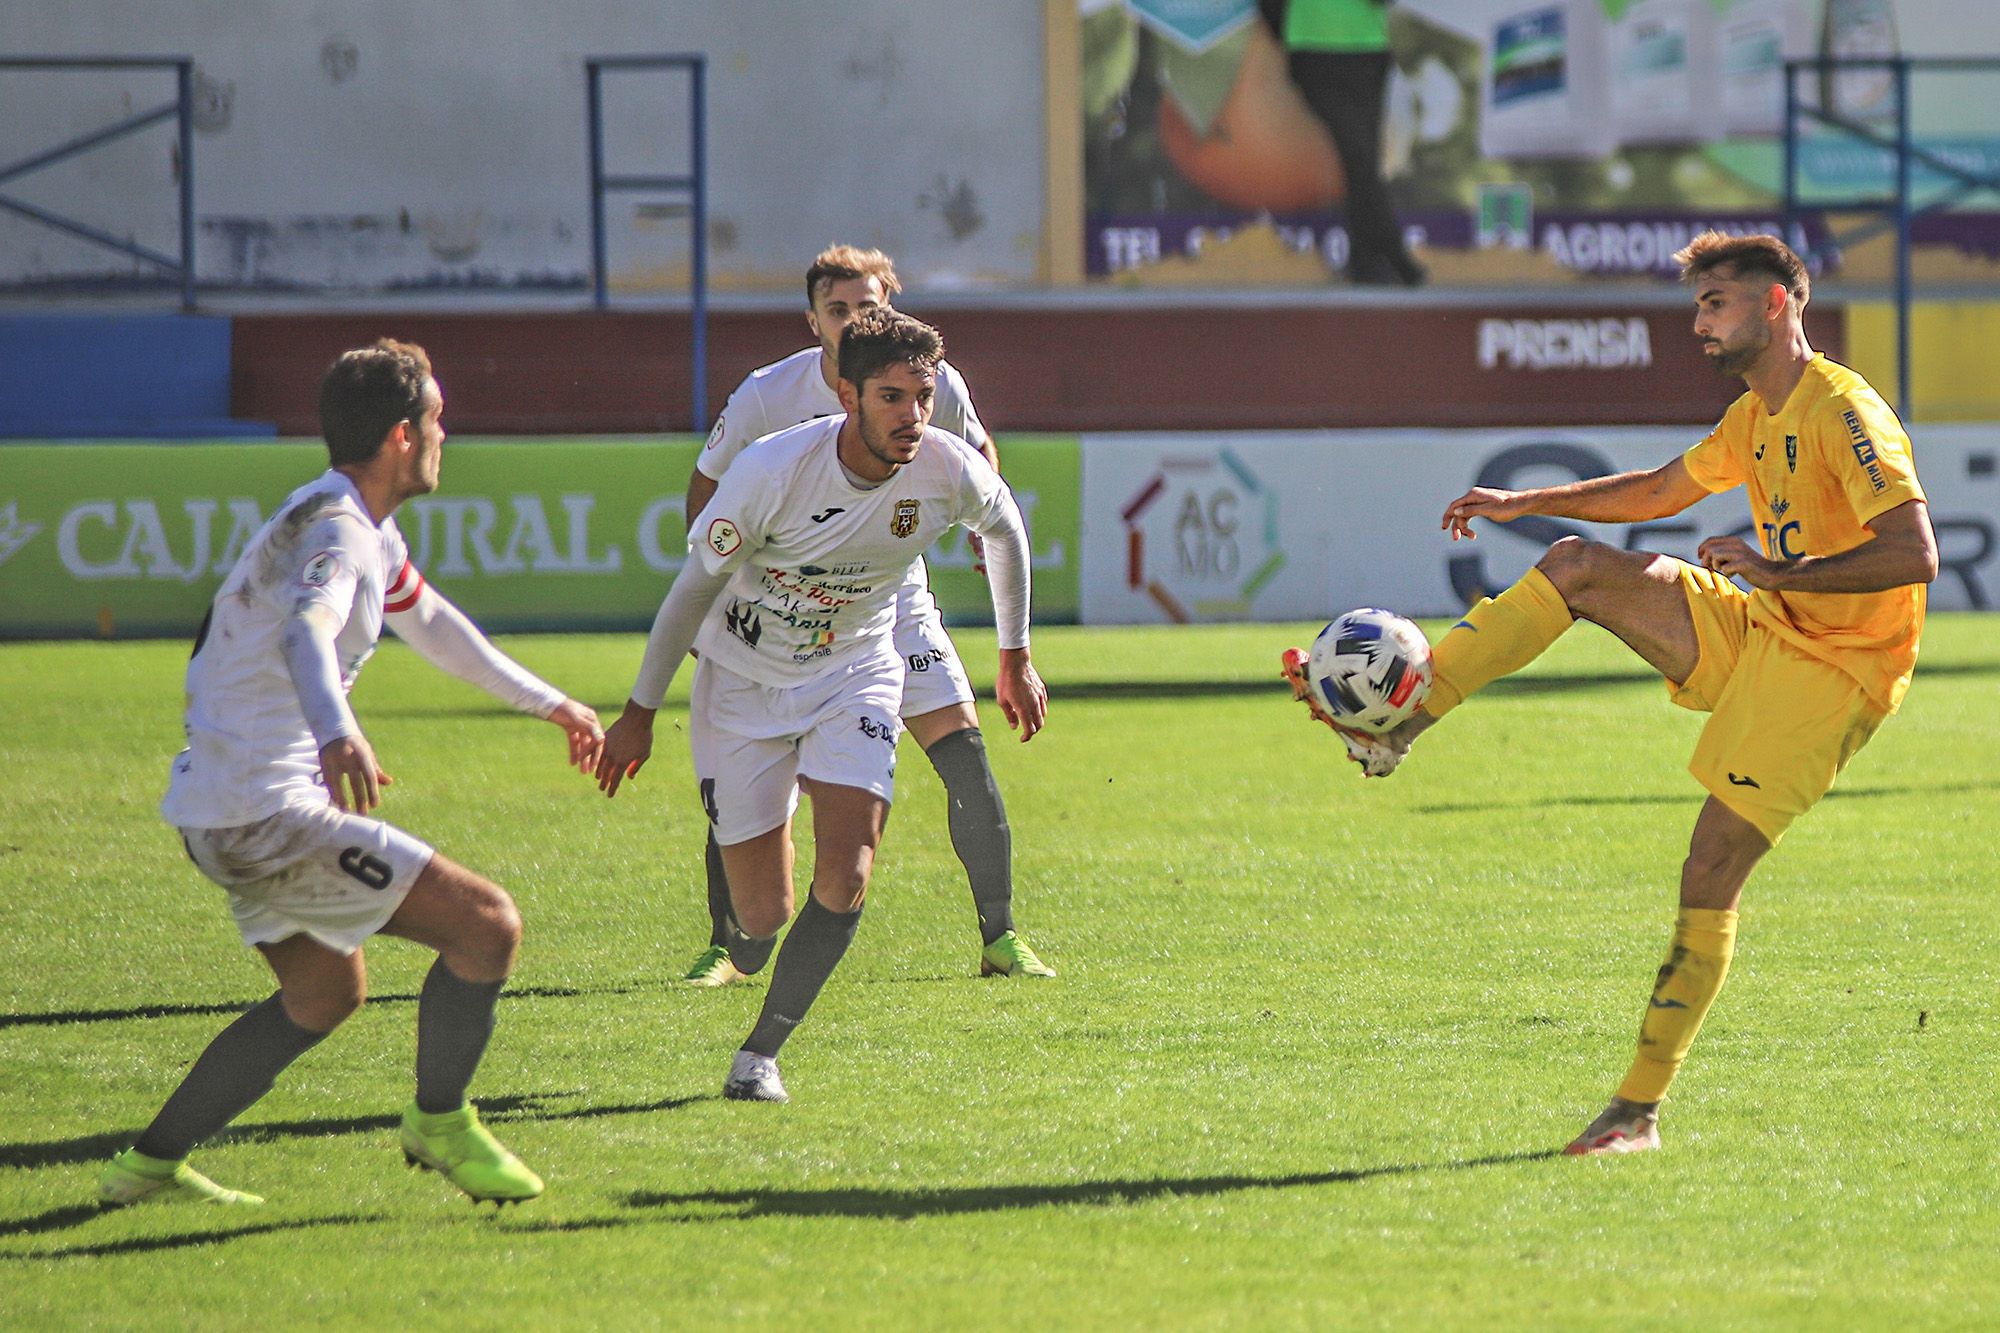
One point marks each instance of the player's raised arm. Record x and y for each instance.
(1626, 497)
(443, 636)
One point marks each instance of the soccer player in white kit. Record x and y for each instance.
(271, 796)
(842, 283)
(790, 594)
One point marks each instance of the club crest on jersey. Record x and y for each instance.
(903, 521)
(723, 538)
(1791, 453)
(320, 570)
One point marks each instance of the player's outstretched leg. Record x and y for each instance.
(977, 817)
(714, 966)
(476, 929)
(318, 989)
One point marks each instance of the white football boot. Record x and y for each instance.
(754, 1078)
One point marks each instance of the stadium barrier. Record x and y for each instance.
(1302, 526)
(131, 540)
(119, 540)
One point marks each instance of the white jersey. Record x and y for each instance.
(786, 393)
(250, 751)
(815, 560)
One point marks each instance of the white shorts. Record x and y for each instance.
(752, 742)
(310, 870)
(933, 676)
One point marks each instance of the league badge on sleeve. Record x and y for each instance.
(723, 538)
(903, 522)
(320, 570)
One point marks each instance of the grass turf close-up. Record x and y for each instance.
(1315, 1044)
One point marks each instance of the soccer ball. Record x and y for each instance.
(1371, 669)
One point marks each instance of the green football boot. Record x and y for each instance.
(1010, 956)
(132, 1176)
(712, 968)
(456, 1146)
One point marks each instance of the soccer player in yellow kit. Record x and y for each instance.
(1796, 675)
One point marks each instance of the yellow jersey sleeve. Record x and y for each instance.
(1866, 448)
(1722, 458)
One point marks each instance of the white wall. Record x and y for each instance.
(366, 144)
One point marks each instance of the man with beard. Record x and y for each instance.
(1795, 674)
(790, 593)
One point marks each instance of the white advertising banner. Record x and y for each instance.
(1303, 525)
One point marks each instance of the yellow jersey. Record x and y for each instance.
(1830, 461)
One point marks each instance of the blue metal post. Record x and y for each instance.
(1791, 145)
(184, 80)
(1903, 274)
(596, 184)
(699, 221)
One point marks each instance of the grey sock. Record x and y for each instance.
(979, 832)
(720, 923)
(818, 940)
(454, 1022)
(238, 1067)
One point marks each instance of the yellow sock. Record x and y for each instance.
(1689, 981)
(1500, 635)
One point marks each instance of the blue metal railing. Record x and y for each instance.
(694, 184)
(181, 108)
(1899, 211)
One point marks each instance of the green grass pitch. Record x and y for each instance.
(1314, 1042)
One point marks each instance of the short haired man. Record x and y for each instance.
(271, 796)
(791, 595)
(1796, 675)
(843, 283)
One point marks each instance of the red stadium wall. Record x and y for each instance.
(1059, 369)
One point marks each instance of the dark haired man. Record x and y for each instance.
(843, 283)
(791, 597)
(1796, 674)
(272, 795)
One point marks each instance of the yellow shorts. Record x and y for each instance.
(1782, 722)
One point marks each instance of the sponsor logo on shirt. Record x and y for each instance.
(741, 619)
(1864, 452)
(320, 570)
(903, 521)
(714, 435)
(723, 538)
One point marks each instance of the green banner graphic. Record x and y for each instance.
(131, 540)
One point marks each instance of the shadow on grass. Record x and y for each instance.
(59, 1017)
(496, 1110)
(1693, 796)
(186, 1240)
(903, 1205)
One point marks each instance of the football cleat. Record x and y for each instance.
(456, 1146)
(1010, 956)
(712, 968)
(132, 1176)
(1377, 756)
(1623, 1127)
(754, 1078)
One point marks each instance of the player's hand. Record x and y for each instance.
(1482, 502)
(1734, 558)
(977, 545)
(1024, 700)
(628, 744)
(586, 737)
(353, 779)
